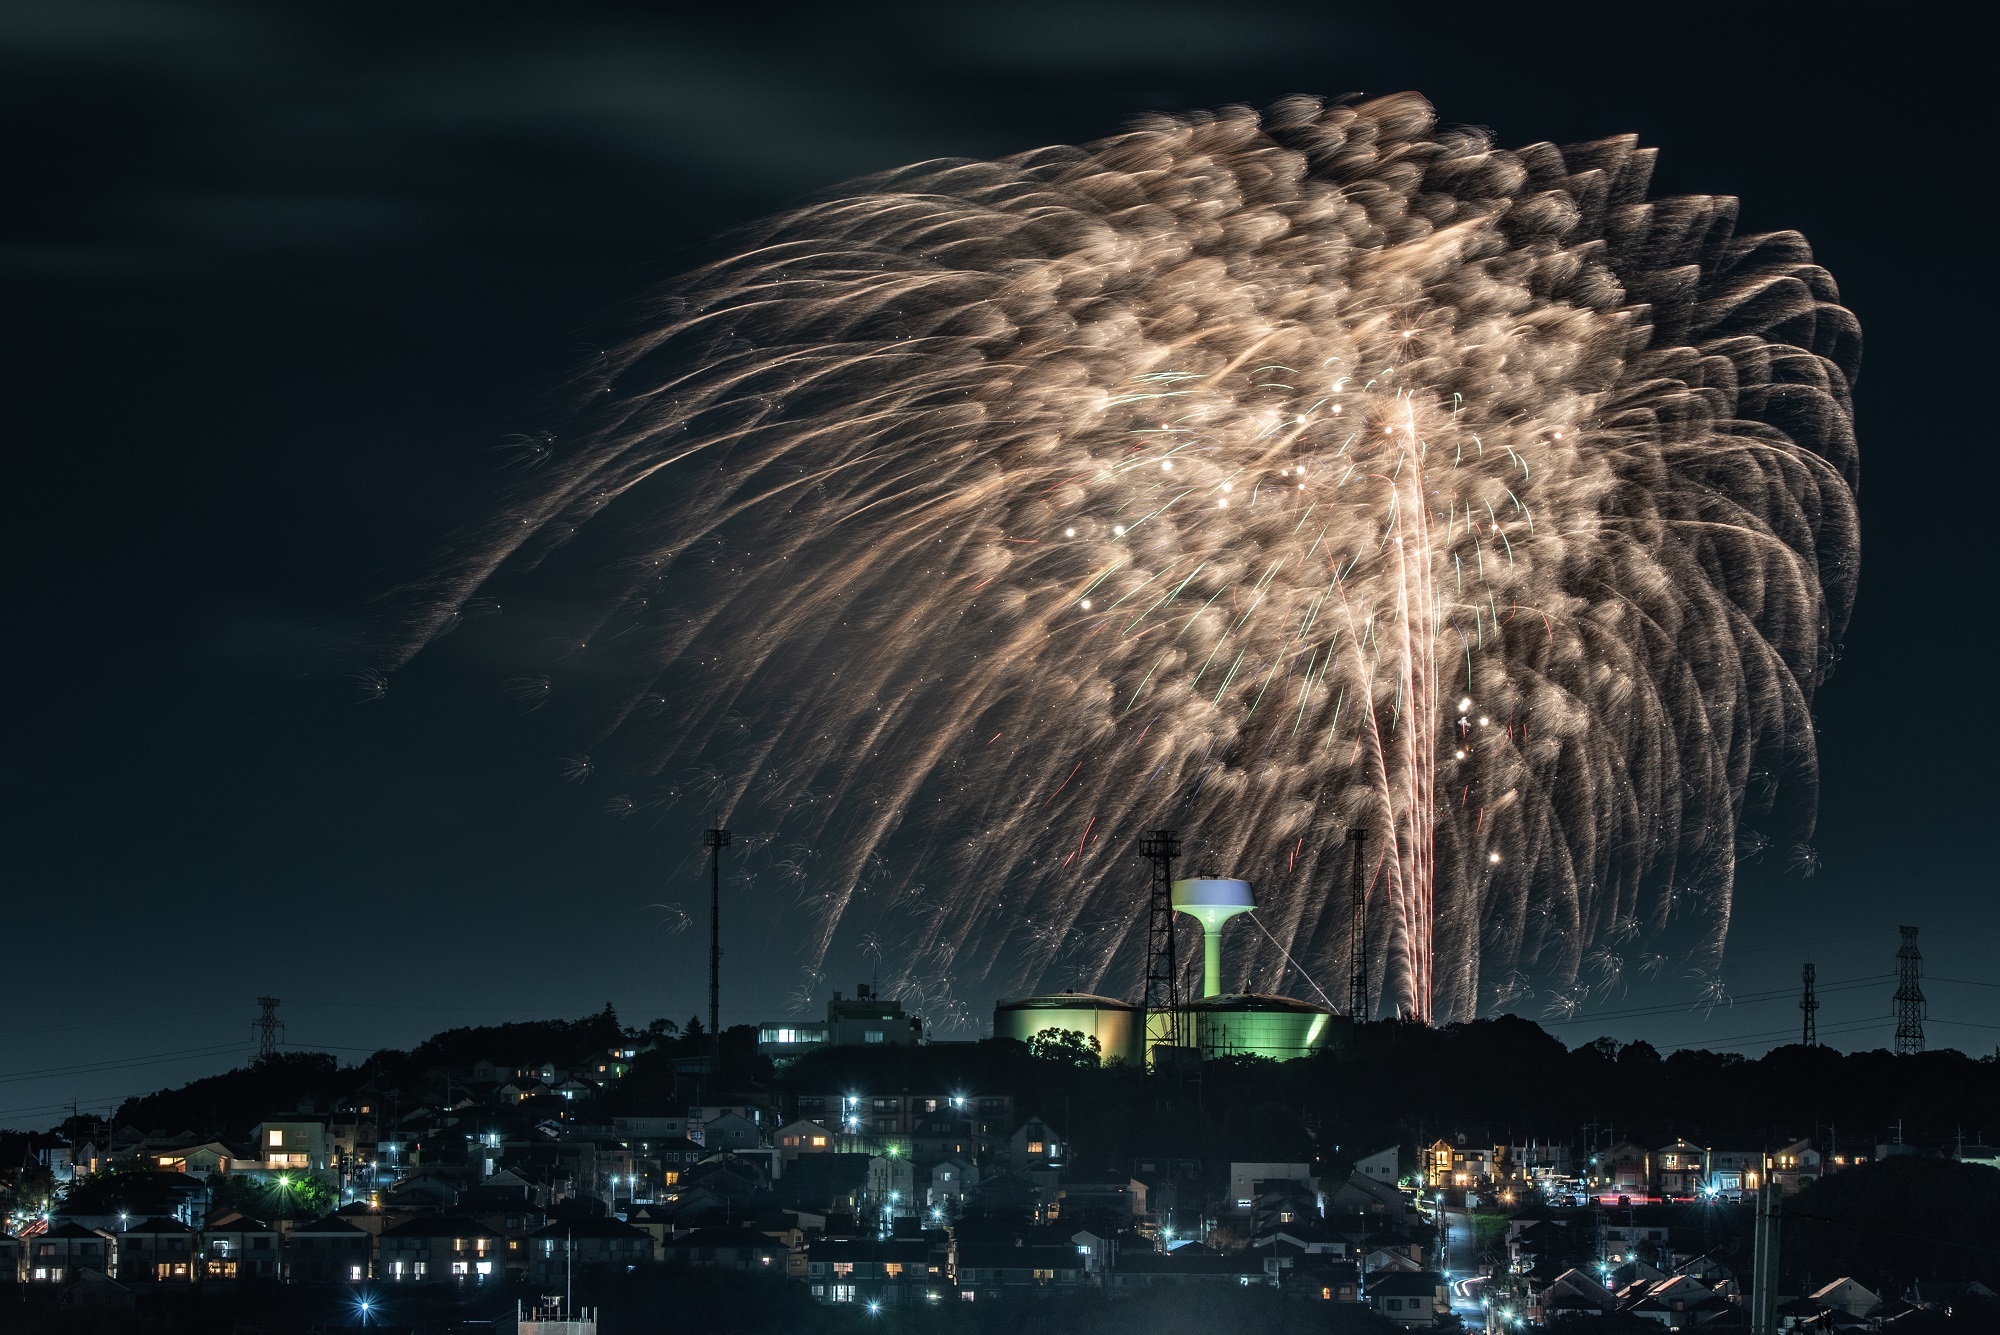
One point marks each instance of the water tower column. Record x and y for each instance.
(1212, 901)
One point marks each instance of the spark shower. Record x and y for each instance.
(1263, 474)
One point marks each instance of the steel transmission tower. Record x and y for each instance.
(1165, 1022)
(1357, 937)
(1909, 995)
(268, 1028)
(1810, 1005)
(715, 841)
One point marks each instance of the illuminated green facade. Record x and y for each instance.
(1116, 1025)
(1259, 1026)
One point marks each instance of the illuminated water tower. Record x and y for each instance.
(1212, 901)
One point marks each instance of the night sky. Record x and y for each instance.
(281, 280)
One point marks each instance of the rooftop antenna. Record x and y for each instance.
(1910, 1008)
(1357, 938)
(1809, 1003)
(1165, 1023)
(715, 841)
(268, 1028)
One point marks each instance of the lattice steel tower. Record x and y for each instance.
(1910, 1008)
(1165, 1021)
(268, 1028)
(1357, 932)
(715, 841)
(1810, 1005)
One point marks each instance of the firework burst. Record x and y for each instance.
(1262, 474)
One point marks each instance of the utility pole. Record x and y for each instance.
(1910, 1009)
(268, 1028)
(1764, 1262)
(1357, 932)
(1810, 1005)
(1166, 1025)
(715, 841)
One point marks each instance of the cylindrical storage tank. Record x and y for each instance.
(1118, 1026)
(1259, 1026)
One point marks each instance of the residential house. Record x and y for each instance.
(1194, 1264)
(1733, 1174)
(1678, 1302)
(328, 1250)
(892, 1272)
(233, 1246)
(1455, 1163)
(740, 1248)
(991, 1271)
(289, 1146)
(879, 1117)
(112, 1203)
(67, 1248)
(1638, 1233)
(1412, 1298)
(1847, 1296)
(1309, 1239)
(949, 1183)
(1283, 1202)
(1382, 1166)
(1680, 1170)
(1391, 1258)
(1574, 1292)
(1950, 1296)
(730, 1131)
(438, 1249)
(803, 1136)
(1623, 1170)
(1245, 1181)
(197, 1161)
(941, 1135)
(54, 1153)
(1113, 1194)
(607, 1068)
(1036, 1145)
(1367, 1197)
(1796, 1165)
(574, 1244)
(1323, 1278)
(891, 1187)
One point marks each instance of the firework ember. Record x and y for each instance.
(1259, 474)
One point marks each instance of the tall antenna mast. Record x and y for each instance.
(1357, 938)
(1910, 1009)
(715, 841)
(1165, 1022)
(1810, 1005)
(268, 1028)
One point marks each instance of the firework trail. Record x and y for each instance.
(1261, 474)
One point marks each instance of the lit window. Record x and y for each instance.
(1034, 1147)
(277, 1139)
(872, 1036)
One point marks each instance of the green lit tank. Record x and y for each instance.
(1248, 1024)
(1118, 1026)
